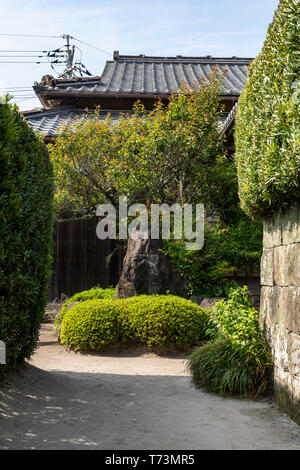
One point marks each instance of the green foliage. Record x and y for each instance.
(237, 319)
(91, 294)
(166, 155)
(238, 360)
(92, 325)
(166, 321)
(228, 250)
(26, 198)
(161, 322)
(267, 130)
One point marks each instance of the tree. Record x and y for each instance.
(171, 154)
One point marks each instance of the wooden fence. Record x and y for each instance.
(79, 259)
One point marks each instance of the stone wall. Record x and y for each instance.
(280, 304)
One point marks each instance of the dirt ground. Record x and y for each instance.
(67, 400)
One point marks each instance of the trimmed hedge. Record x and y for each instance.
(92, 325)
(267, 129)
(26, 221)
(238, 360)
(91, 294)
(166, 321)
(163, 322)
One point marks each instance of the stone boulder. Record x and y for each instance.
(206, 302)
(147, 270)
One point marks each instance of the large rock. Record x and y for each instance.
(146, 270)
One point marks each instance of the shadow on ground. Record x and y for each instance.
(57, 409)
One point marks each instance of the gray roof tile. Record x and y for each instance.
(157, 75)
(48, 121)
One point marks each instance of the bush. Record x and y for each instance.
(267, 126)
(228, 250)
(166, 321)
(26, 197)
(92, 325)
(91, 294)
(161, 322)
(238, 360)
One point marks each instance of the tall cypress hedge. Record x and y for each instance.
(267, 131)
(26, 221)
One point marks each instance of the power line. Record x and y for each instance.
(67, 52)
(19, 95)
(29, 35)
(2, 50)
(23, 62)
(24, 95)
(63, 36)
(23, 56)
(10, 92)
(94, 47)
(17, 88)
(24, 99)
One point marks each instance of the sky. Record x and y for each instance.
(221, 28)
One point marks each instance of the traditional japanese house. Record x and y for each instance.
(124, 80)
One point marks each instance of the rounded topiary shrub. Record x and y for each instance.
(267, 129)
(26, 197)
(160, 322)
(91, 294)
(166, 321)
(92, 325)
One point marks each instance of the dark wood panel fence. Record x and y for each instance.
(79, 259)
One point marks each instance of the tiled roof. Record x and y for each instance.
(48, 121)
(229, 120)
(154, 75)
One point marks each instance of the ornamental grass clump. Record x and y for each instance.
(238, 359)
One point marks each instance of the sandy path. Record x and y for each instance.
(63, 400)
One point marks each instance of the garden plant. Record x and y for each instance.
(237, 360)
(162, 322)
(26, 221)
(267, 131)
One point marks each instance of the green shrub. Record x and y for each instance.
(26, 197)
(166, 322)
(160, 322)
(267, 130)
(92, 325)
(238, 360)
(227, 251)
(91, 294)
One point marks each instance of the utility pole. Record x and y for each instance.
(67, 53)
(70, 56)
